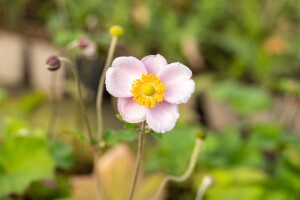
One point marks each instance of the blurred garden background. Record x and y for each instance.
(245, 58)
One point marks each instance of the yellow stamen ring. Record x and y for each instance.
(148, 90)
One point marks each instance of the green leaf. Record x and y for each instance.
(119, 116)
(238, 152)
(172, 153)
(265, 136)
(157, 135)
(62, 154)
(129, 126)
(243, 99)
(244, 192)
(64, 37)
(14, 127)
(79, 135)
(112, 137)
(288, 86)
(237, 183)
(22, 161)
(58, 188)
(31, 101)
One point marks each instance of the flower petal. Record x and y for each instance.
(174, 72)
(162, 117)
(130, 111)
(179, 92)
(122, 74)
(154, 63)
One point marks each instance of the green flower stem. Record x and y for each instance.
(111, 51)
(69, 64)
(138, 160)
(206, 182)
(187, 173)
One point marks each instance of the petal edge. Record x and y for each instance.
(162, 118)
(130, 111)
(154, 63)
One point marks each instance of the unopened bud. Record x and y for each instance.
(88, 47)
(200, 134)
(53, 63)
(116, 31)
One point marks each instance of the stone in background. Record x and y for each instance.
(11, 59)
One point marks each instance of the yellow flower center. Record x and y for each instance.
(148, 90)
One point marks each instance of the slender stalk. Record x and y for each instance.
(187, 172)
(111, 51)
(206, 182)
(138, 160)
(98, 182)
(69, 64)
(54, 105)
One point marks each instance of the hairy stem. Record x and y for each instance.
(138, 160)
(187, 172)
(111, 51)
(69, 64)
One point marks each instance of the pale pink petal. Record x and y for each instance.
(122, 74)
(179, 92)
(162, 117)
(131, 65)
(118, 83)
(174, 72)
(154, 63)
(130, 111)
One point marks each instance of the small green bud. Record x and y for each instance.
(200, 134)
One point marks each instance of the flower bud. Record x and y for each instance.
(53, 63)
(200, 134)
(88, 47)
(116, 31)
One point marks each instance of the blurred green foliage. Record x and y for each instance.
(254, 41)
(62, 154)
(23, 160)
(262, 165)
(243, 99)
(170, 152)
(111, 137)
(247, 160)
(246, 40)
(28, 159)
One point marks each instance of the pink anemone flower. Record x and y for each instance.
(149, 89)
